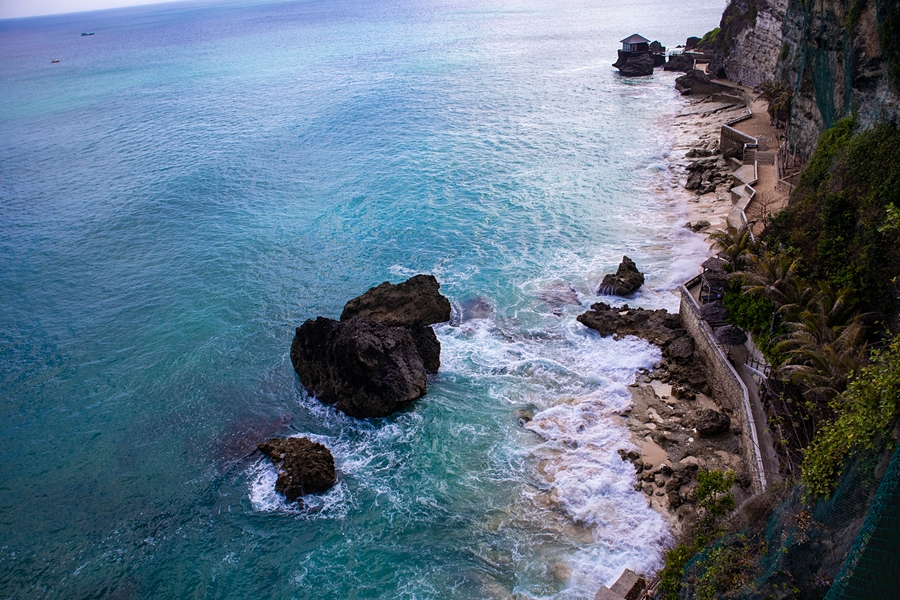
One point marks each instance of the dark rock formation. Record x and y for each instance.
(632, 64)
(304, 466)
(374, 361)
(679, 62)
(364, 368)
(697, 83)
(691, 43)
(712, 423)
(415, 301)
(415, 304)
(656, 326)
(626, 280)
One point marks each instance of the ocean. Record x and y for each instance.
(192, 182)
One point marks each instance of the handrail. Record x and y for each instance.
(748, 410)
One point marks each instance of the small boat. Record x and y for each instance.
(88, 33)
(55, 60)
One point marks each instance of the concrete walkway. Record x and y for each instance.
(771, 462)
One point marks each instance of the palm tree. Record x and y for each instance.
(734, 244)
(825, 343)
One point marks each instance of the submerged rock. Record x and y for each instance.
(304, 467)
(624, 281)
(364, 368)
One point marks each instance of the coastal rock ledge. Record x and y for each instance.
(376, 359)
(304, 467)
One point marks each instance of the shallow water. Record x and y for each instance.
(192, 182)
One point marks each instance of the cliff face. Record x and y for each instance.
(838, 56)
(834, 60)
(749, 40)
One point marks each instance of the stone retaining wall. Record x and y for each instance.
(732, 139)
(726, 384)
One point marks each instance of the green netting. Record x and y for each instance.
(872, 569)
(849, 544)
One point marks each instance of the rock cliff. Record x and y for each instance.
(838, 57)
(749, 41)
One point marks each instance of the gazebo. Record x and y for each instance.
(635, 43)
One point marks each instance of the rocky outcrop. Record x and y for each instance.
(633, 64)
(626, 280)
(658, 327)
(304, 467)
(415, 304)
(375, 360)
(697, 83)
(364, 368)
(416, 301)
(679, 62)
(748, 44)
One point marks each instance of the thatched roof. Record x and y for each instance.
(714, 312)
(715, 280)
(714, 263)
(731, 335)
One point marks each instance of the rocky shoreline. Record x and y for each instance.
(676, 424)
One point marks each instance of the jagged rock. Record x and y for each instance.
(415, 301)
(698, 226)
(679, 62)
(656, 326)
(626, 280)
(364, 368)
(681, 347)
(697, 83)
(634, 65)
(699, 153)
(694, 180)
(712, 423)
(304, 466)
(415, 304)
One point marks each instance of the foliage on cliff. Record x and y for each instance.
(866, 414)
(840, 214)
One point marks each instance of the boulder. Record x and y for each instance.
(691, 43)
(304, 467)
(415, 304)
(696, 82)
(626, 280)
(712, 423)
(679, 62)
(634, 65)
(364, 368)
(415, 301)
(681, 347)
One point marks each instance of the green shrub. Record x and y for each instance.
(866, 414)
(839, 219)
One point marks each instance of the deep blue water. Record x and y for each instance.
(189, 184)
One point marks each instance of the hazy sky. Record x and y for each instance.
(27, 8)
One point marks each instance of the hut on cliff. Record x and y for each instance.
(635, 43)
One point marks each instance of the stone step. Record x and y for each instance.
(766, 158)
(629, 586)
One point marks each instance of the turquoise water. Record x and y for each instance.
(189, 184)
